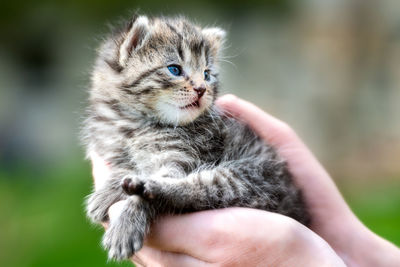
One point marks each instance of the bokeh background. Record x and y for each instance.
(330, 68)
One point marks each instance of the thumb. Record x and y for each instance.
(271, 129)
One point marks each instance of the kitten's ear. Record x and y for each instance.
(216, 37)
(138, 31)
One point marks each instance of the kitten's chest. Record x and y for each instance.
(188, 148)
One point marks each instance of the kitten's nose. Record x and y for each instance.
(200, 90)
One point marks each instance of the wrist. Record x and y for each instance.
(375, 251)
(365, 248)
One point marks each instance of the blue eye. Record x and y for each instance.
(175, 70)
(206, 75)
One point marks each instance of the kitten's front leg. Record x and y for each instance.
(229, 185)
(127, 229)
(211, 188)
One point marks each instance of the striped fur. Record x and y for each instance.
(166, 156)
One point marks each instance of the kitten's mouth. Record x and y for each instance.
(195, 104)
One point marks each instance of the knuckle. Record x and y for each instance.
(291, 232)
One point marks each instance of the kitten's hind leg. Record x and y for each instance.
(128, 227)
(98, 203)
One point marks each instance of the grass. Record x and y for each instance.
(43, 221)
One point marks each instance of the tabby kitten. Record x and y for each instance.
(152, 118)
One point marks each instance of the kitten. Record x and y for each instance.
(152, 118)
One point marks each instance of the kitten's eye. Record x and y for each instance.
(175, 70)
(207, 75)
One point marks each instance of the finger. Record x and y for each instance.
(153, 257)
(184, 234)
(194, 234)
(275, 131)
(207, 234)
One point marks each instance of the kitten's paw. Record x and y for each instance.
(97, 208)
(151, 190)
(148, 190)
(123, 240)
(132, 186)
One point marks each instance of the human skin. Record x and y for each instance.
(247, 237)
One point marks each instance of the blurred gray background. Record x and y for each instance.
(330, 68)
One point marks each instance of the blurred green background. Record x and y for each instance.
(331, 69)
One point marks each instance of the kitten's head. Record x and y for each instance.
(165, 69)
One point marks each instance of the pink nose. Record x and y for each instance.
(200, 90)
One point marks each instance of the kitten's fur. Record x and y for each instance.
(169, 150)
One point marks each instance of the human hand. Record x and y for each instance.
(227, 237)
